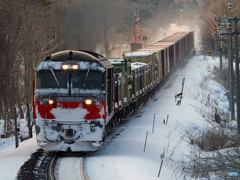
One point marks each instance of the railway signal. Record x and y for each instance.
(139, 30)
(215, 28)
(136, 33)
(209, 52)
(215, 25)
(133, 36)
(216, 33)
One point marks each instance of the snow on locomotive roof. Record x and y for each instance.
(85, 60)
(75, 55)
(83, 65)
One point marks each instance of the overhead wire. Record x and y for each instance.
(235, 8)
(227, 25)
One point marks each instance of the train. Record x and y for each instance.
(79, 96)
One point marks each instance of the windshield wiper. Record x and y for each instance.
(86, 77)
(54, 76)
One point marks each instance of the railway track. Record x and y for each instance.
(56, 166)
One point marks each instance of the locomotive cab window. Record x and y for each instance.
(48, 79)
(87, 80)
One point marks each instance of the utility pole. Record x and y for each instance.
(204, 49)
(230, 66)
(225, 52)
(220, 56)
(235, 20)
(221, 44)
(231, 89)
(237, 74)
(218, 36)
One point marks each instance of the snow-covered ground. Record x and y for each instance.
(12, 159)
(122, 156)
(23, 132)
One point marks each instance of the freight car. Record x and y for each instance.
(80, 95)
(149, 67)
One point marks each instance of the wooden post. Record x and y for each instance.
(16, 130)
(153, 123)
(145, 142)
(167, 119)
(29, 122)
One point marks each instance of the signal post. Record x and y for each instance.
(235, 21)
(136, 33)
(230, 33)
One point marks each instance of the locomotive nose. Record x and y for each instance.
(70, 132)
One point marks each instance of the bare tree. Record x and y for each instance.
(206, 21)
(26, 33)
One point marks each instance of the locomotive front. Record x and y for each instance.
(70, 101)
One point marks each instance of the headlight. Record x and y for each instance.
(75, 66)
(88, 101)
(65, 66)
(50, 101)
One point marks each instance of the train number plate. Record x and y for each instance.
(73, 99)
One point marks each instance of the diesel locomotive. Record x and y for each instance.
(73, 100)
(80, 95)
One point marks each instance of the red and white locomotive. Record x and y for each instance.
(71, 106)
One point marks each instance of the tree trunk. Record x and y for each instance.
(19, 105)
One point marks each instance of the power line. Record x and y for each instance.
(235, 8)
(230, 6)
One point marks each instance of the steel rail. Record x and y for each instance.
(43, 171)
(52, 166)
(83, 168)
(50, 169)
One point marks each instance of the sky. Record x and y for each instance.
(122, 156)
